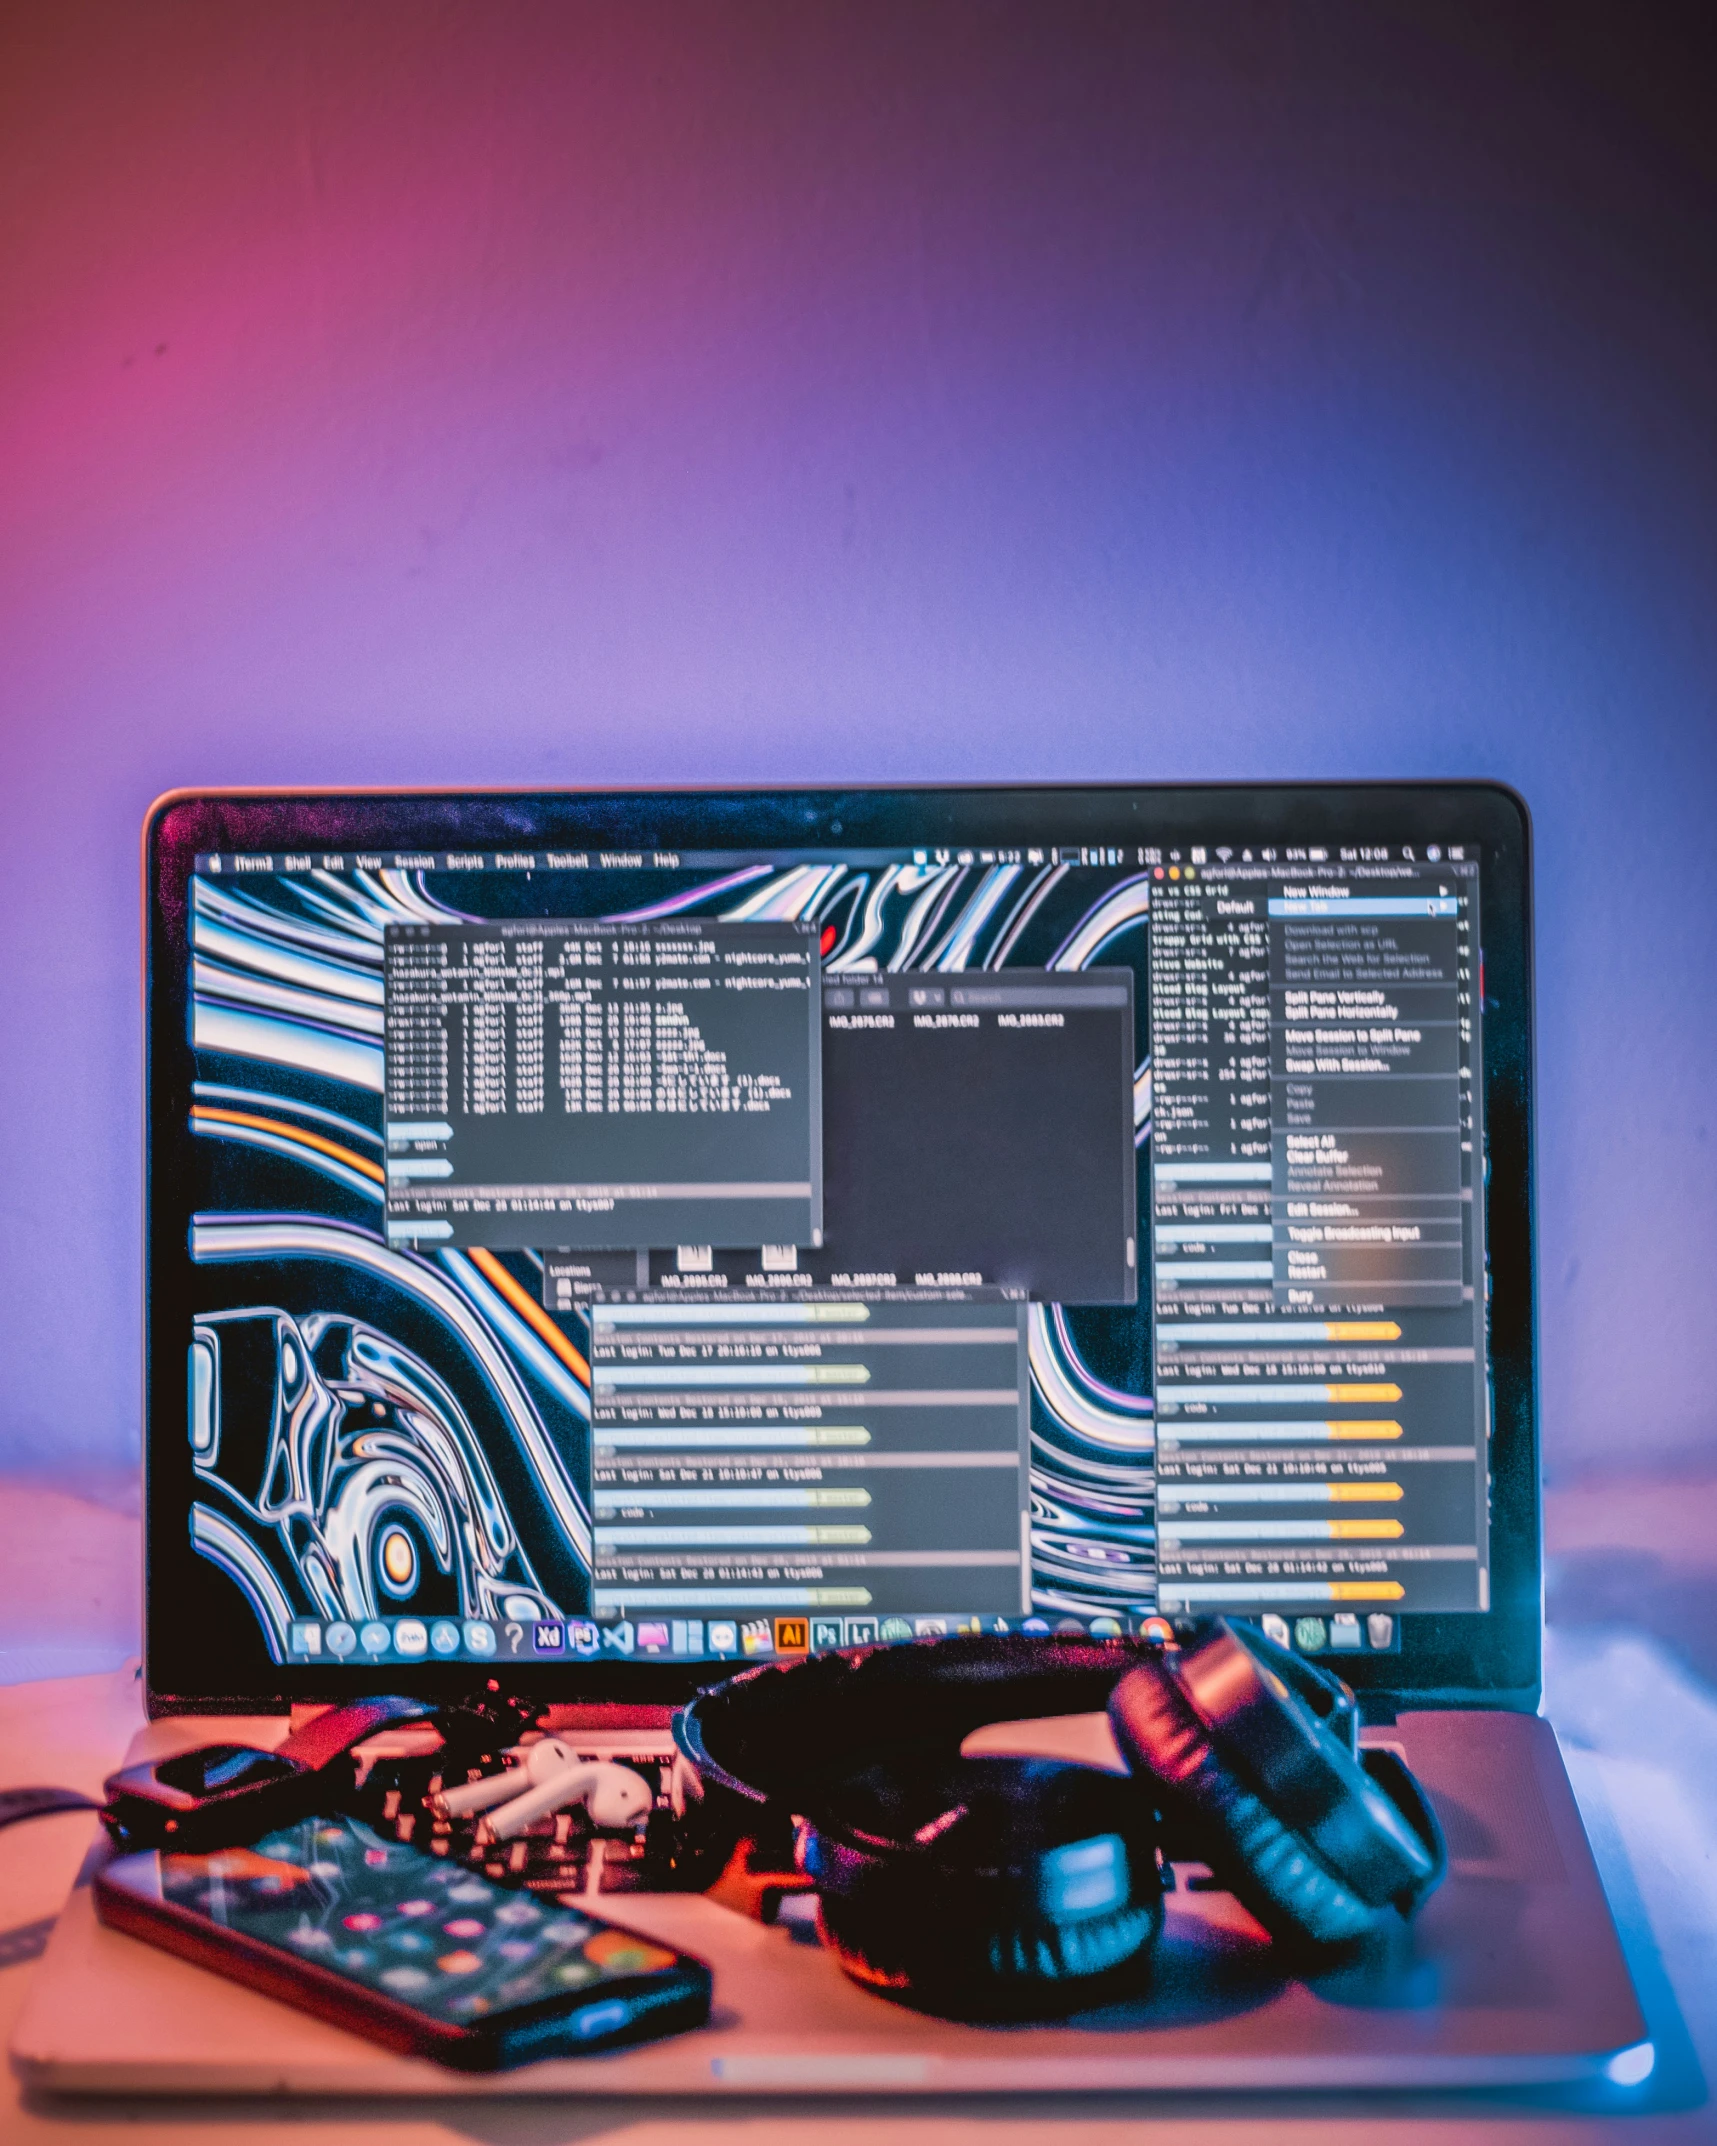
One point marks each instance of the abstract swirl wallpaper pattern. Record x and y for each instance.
(376, 1431)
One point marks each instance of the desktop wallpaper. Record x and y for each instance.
(378, 1427)
(600, 393)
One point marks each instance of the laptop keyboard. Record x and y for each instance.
(563, 1852)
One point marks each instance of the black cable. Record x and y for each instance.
(17, 1804)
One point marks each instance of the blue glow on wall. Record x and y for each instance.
(595, 394)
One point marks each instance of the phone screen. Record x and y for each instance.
(435, 1936)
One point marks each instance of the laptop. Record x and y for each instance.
(598, 1241)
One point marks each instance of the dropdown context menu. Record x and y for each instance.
(1371, 1080)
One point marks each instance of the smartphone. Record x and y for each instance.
(421, 1955)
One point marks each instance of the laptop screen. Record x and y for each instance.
(606, 1238)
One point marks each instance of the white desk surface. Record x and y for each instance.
(1640, 1733)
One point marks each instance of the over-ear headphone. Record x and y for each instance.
(997, 1888)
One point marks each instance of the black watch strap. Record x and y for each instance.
(320, 1741)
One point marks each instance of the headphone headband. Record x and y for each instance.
(777, 1733)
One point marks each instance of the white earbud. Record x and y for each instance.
(613, 1795)
(616, 1796)
(537, 1763)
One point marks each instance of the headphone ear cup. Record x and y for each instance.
(988, 1888)
(1324, 1845)
(1258, 1857)
(1392, 1776)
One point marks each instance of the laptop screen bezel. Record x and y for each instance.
(1472, 1658)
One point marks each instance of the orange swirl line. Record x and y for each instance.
(291, 1132)
(529, 1310)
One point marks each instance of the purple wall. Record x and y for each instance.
(537, 393)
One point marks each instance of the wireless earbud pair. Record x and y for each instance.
(550, 1777)
(998, 1887)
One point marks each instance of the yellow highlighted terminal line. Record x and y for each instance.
(1375, 1391)
(208, 1112)
(1364, 1530)
(1364, 1493)
(1366, 1590)
(1362, 1330)
(529, 1310)
(1357, 1429)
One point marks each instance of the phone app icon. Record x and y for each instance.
(410, 1637)
(723, 1636)
(895, 1628)
(755, 1636)
(444, 1636)
(653, 1636)
(548, 1638)
(825, 1633)
(582, 1636)
(792, 1635)
(479, 1638)
(860, 1631)
(304, 1639)
(375, 1638)
(342, 1640)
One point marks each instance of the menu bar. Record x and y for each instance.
(1192, 862)
(289, 863)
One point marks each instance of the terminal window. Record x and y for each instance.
(603, 1084)
(1320, 1379)
(848, 1459)
(976, 1135)
(978, 1132)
